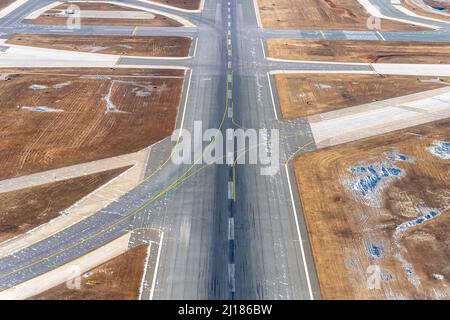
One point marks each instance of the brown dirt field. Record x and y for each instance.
(410, 5)
(49, 17)
(183, 4)
(322, 15)
(303, 95)
(152, 46)
(81, 126)
(359, 51)
(26, 209)
(359, 219)
(5, 3)
(117, 279)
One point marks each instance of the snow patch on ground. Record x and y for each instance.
(41, 109)
(440, 149)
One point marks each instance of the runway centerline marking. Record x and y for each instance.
(231, 277)
(230, 190)
(231, 228)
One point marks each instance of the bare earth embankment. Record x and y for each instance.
(360, 51)
(377, 212)
(117, 279)
(53, 118)
(105, 14)
(322, 15)
(443, 5)
(412, 6)
(5, 3)
(25, 209)
(308, 94)
(151, 46)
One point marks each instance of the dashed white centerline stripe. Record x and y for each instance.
(231, 229)
(300, 239)
(230, 191)
(230, 112)
(231, 278)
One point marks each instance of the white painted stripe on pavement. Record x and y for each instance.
(186, 101)
(196, 45)
(144, 276)
(231, 277)
(381, 36)
(300, 239)
(263, 49)
(273, 99)
(152, 292)
(231, 229)
(230, 190)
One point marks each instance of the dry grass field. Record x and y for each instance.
(183, 4)
(380, 227)
(360, 51)
(152, 46)
(412, 6)
(53, 118)
(117, 279)
(306, 94)
(54, 17)
(5, 3)
(322, 15)
(25, 209)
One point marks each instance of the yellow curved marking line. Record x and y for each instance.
(298, 150)
(233, 120)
